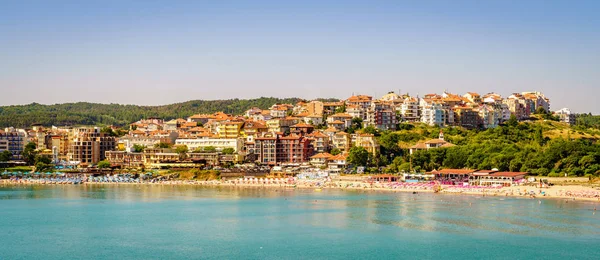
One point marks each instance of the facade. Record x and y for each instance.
(467, 117)
(229, 129)
(13, 141)
(314, 108)
(410, 110)
(341, 141)
(433, 113)
(89, 145)
(368, 142)
(566, 116)
(276, 149)
(382, 116)
(218, 143)
(490, 117)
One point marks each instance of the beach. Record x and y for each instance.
(567, 192)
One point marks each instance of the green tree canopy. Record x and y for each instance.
(29, 153)
(138, 148)
(5, 156)
(103, 164)
(358, 156)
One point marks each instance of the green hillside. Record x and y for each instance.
(83, 113)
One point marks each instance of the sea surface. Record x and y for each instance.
(184, 222)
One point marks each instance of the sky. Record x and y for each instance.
(162, 52)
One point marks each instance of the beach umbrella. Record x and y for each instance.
(37, 173)
(5, 173)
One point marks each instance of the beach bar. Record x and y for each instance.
(453, 176)
(501, 178)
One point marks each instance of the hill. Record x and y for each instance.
(545, 148)
(83, 113)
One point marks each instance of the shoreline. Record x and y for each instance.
(555, 192)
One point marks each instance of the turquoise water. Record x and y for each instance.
(163, 222)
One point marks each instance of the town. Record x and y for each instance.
(289, 138)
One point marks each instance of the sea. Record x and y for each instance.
(189, 222)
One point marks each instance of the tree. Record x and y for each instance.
(162, 145)
(108, 131)
(358, 156)
(371, 130)
(210, 149)
(29, 153)
(228, 150)
(335, 151)
(103, 164)
(182, 151)
(540, 111)
(357, 123)
(5, 156)
(42, 159)
(512, 121)
(138, 148)
(341, 109)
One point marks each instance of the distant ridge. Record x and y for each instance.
(85, 113)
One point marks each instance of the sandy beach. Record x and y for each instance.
(567, 192)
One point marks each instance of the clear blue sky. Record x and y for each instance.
(160, 52)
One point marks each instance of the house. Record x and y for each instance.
(281, 124)
(312, 119)
(431, 144)
(362, 101)
(320, 141)
(330, 108)
(344, 118)
(278, 111)
(341, 141)
(320, 159)
(390, 96)
(566, 116)
(338, 162)
(368, 142)
(301, 129)
(473, 97)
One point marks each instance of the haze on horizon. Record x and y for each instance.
(161, 52)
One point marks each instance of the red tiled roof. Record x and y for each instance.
(321, 156)
(508, 174)
(455, 171)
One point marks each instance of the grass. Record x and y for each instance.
(18, 169)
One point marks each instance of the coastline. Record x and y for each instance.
(562, 192)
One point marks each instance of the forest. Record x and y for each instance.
(541, 148)
(82, 113)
